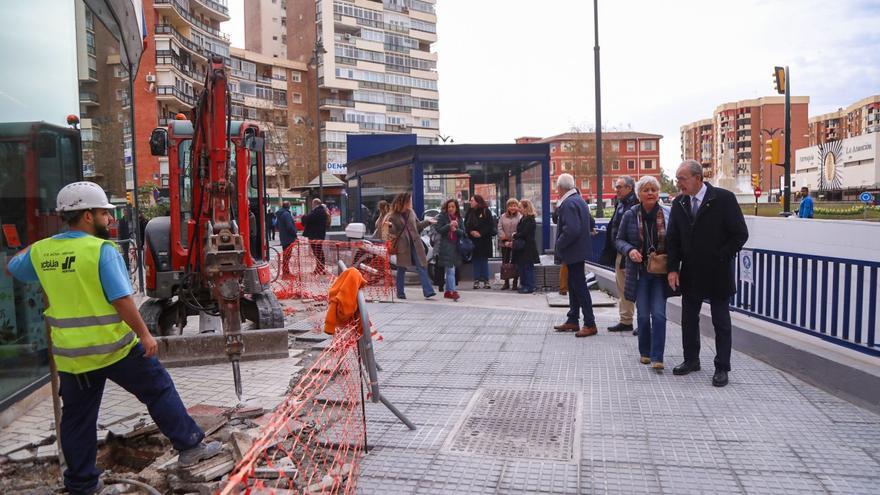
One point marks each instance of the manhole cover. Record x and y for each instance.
(519, 423)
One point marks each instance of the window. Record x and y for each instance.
(647, 164)
(615, 165)
(567, 166)
(553, 148)
(648, 145)
(615, 145)
(631, 164)
(274, 38)
(585, 184)
(568, 146)
(295, 76)
(630, 146)
(552, 167)
(296, 97)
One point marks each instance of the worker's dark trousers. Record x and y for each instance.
(81, 395)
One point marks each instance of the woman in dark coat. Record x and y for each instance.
(480, 227)
(526, 257)
(449, 230)
(642, 231)
(403, 232)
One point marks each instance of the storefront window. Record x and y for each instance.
(381, 185)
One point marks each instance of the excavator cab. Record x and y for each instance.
(170, 280)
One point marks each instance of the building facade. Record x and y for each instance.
(181, 37)
(839, 170)
(377, 74)
(635, 154)
(270, 91)
(737, 138)
(265, 28)
(862, 117)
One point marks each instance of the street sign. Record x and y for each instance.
(757, 192)
(866, 197)
(337, 168)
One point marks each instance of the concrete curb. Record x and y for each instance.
(848, 374)
(203, 349)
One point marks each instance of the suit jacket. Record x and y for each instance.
(573, 239)
(702, 249)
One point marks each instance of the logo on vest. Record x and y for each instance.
(67, 266)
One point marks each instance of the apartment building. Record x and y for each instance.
(181, 37)
(862, 117)
(269, 91)
(739, 130)
(635, 154)
(265, 27)
(104, 105)
(377, 73)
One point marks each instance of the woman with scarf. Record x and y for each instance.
(480, 227)
(450, 229)
(641, 239)
(403, 234)
(506, 228)
(525, 250)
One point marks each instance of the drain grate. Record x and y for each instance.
(519, 423)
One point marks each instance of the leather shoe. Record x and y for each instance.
(719, 379)
(566, 327)
(586, 332)
(685, 368)
(621, 327)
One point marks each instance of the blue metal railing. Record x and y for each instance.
(835, 299)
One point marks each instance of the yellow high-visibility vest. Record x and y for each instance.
(87, 331)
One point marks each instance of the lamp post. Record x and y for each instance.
(600, 207)
(770, 133)
(313, 64)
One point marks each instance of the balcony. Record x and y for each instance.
(183, 12)
(220, 9)
(169, 92)
(169, 30)
(166, 57)
(336, 102)
(88, 98)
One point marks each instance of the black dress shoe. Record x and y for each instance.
(621, 327)
(719, 379)
(685, 368)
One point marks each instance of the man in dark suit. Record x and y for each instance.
(315, 225)
(287, 234)
(706, 230)
(625, 187)
(573, 246)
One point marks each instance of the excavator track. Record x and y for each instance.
(264, 310)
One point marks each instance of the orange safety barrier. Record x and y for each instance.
(306, 268)
(314, 441)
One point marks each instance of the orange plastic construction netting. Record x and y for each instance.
(314, 440)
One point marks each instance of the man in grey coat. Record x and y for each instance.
(573, 245)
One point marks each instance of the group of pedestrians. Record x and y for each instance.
(686, 249)
(315, 224)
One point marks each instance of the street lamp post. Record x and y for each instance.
(600, 207)
(313, 64)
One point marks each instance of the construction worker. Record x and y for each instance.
(98, 334)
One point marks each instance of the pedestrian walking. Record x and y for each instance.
(403, 232)
(271, 223)
(124, 233)
(381, 231)
(315, 225)
(805, 210)
(641, 239)
(525, 250)
(507, 223)
(705, 232)
(286, 234)
(626, 198)
(449, 230)
(574, 245)
(480, 227)
(97, 334)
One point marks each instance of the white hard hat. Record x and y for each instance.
(82, 196)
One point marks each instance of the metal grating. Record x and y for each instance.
(520, 423)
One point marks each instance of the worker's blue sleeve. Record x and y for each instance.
(114, 276)
(20, 267)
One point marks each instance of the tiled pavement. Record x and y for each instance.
(638, 431)
(263, 382)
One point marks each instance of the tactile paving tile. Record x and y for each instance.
(835, 459)
(612, 449)
(533, 476)
(849, 485)
(519, 423)
(619, 478)
(761, 456)
(682, 480)
(780, 483)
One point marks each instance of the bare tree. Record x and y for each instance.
(289, 146)
(581, 159)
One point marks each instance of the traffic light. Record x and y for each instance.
(771, 151)
(756, 181)
(779, 77)
(128, 197)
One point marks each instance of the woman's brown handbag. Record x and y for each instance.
(508, 271)
(657, 263)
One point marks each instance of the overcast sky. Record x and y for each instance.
(512, 68)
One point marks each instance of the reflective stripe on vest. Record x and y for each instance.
(87, 331)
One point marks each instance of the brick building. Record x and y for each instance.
(862, 117)
(738, 132)
(624, 153)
